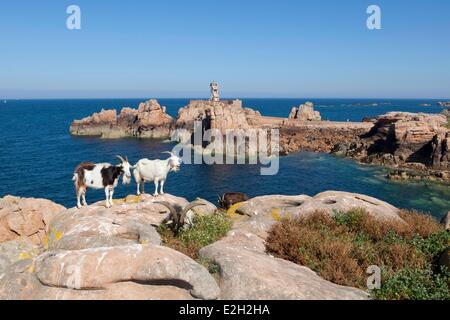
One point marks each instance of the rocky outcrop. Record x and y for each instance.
(273, 278)
(305, 112)
(99, 253)
(248, 273)
(150, 120)
(444, 103)
(333, 202)
(96, 269)
(414, 142)
(318, 136)
(222, 115)
(26, 218)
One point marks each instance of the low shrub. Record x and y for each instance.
(341, 248)
(206, 230)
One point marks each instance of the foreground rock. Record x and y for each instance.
(20, 217)
(92, 269)
(273, 278)
(417, 144)
(20, 282)
(116, 253)
(268, 277)
(108, 254)
(265, 211)
(17, 250)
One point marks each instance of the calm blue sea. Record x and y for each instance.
(38, 155)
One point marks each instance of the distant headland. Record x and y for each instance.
(416, 145)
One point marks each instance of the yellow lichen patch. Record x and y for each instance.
(276, 214)
(232, 211)
(53, 235)
(45, 242)
(129, 199)
(32, 268)
(133, 199)
(117, 202)
(144, 242)
(25, 256)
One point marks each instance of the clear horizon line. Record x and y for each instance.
(223, 98)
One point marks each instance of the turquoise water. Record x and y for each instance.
(38, 156)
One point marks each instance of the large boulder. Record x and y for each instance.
(333, 202)
(248, 273)
(26, 217)
(129, 221)
(305, 112)
(99, 267)
(100, 253)
(19, 282)
(265, 211)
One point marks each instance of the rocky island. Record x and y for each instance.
(415, 145)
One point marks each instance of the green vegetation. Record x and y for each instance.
(341, 248)
(206, 230)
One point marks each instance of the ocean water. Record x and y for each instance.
(38, 155)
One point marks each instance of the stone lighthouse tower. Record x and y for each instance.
(214, 92)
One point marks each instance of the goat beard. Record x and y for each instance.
(126, 180)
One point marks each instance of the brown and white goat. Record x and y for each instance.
(100, 176)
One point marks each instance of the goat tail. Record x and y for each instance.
(75, 177)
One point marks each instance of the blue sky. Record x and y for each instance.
(253, 48)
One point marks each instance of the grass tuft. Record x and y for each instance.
(207, 230)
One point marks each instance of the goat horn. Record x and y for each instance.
(173, 211)
(120, 158)
(189, 207)
(171, 153)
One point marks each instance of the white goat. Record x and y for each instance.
(155, 170)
